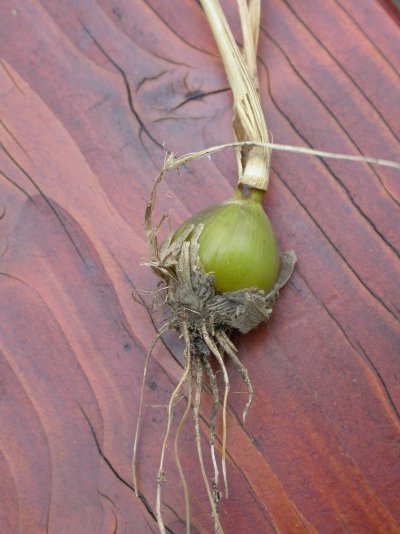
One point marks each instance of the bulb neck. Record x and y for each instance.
(244, 192)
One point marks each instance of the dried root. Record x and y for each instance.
(175, 393)
(135, 443)
(214, 350)
(204, 319)
(196, 411)
(177, 460)
(212, 380)
(231, 350)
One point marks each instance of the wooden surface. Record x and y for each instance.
(89, 93)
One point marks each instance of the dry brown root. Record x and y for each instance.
(164, 329)
(231, 350)
(212, 380)
(196, 409)
(176, 456)
(214, 350)
(174, 395)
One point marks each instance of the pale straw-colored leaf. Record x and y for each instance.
(248, 122)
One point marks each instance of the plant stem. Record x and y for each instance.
(241, 71)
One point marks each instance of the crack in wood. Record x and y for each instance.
(142, 126)
(45, 198)
(114, 471)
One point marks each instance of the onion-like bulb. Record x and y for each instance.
(237, 243)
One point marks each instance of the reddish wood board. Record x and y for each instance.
(89, 93)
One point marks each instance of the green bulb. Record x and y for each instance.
(237, 243)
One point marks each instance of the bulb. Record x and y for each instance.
(237, 243)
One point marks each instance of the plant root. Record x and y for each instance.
(231, 350)
(175, 393)
(196, 410)
(177, 460)
(214, 350)
(164, 329)
(212, 380)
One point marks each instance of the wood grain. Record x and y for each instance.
(89, 94)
